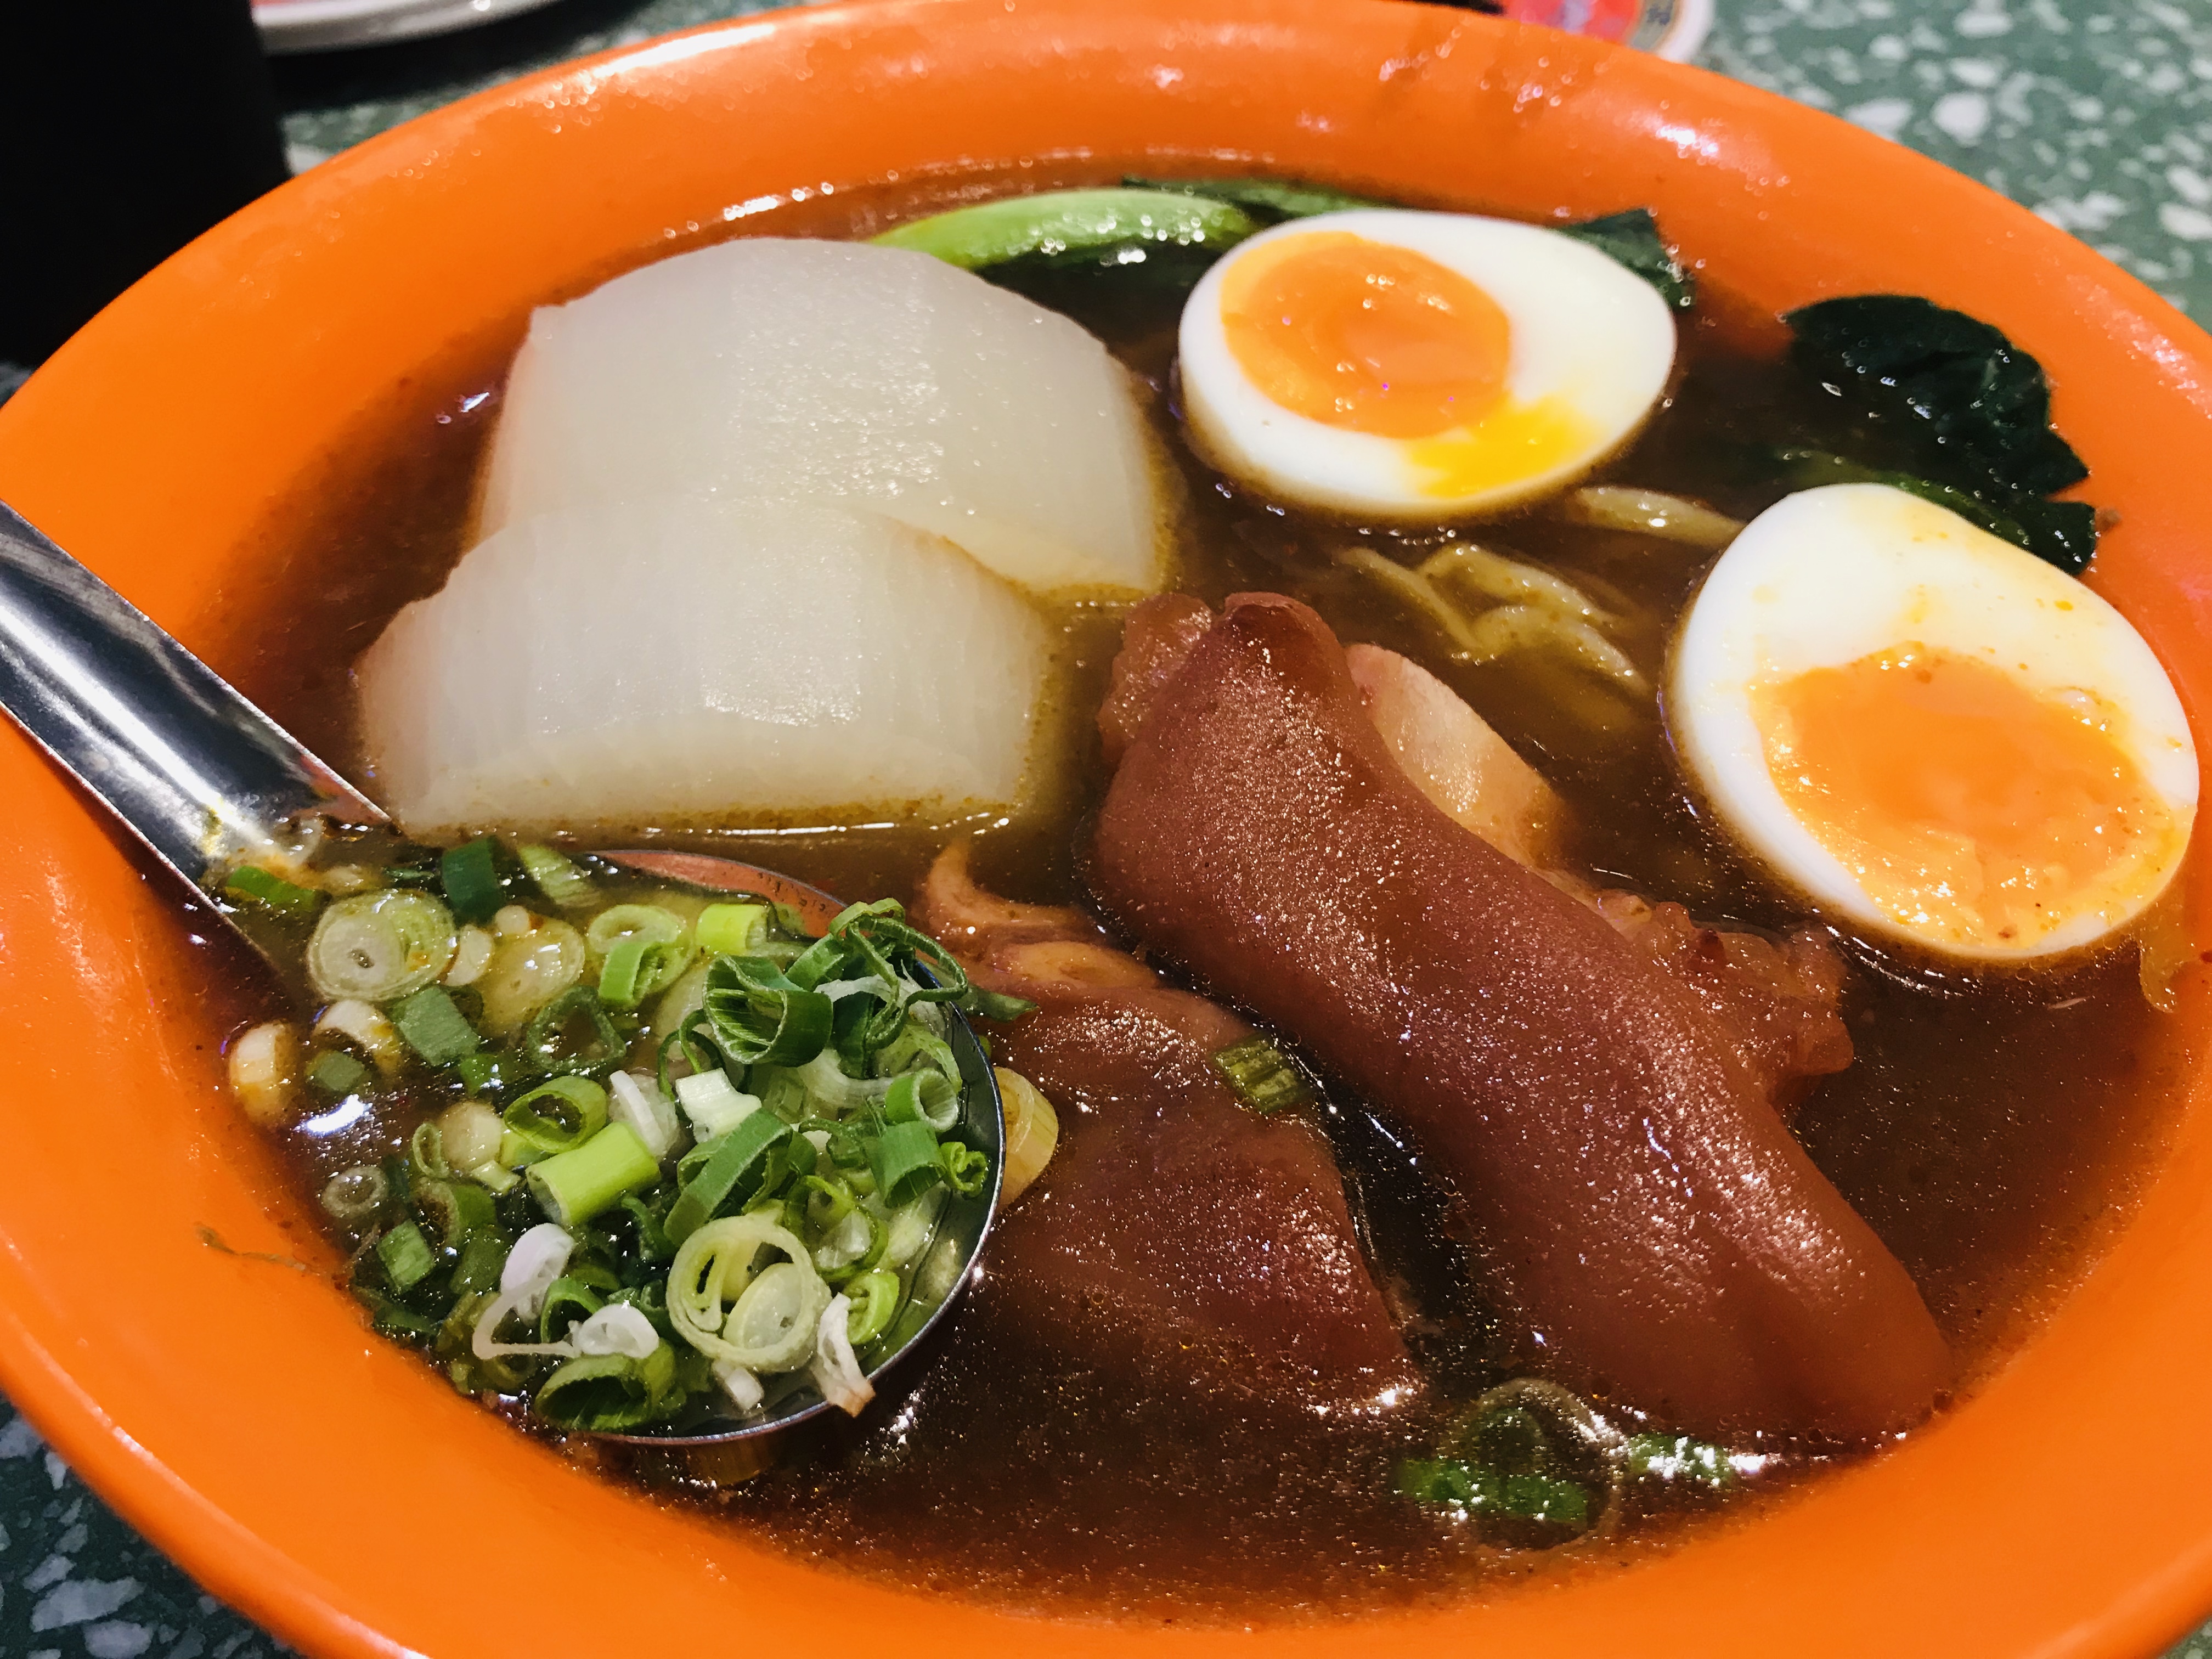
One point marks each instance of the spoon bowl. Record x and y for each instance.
(201, 775)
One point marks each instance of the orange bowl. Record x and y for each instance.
(240, 1413)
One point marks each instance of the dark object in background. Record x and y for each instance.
(127, 128)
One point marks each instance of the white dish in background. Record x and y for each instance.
(289, 26)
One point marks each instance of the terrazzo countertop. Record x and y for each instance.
(2096, 113)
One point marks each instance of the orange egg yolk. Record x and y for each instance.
(1365, 336)
(1971, 808)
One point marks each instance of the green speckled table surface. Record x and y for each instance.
(2096, 113)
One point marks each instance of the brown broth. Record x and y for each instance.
(1993, 1130)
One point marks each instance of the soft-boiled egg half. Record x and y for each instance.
(1418, 367)
(1930, 731)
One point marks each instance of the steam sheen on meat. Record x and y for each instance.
(1657, 1236)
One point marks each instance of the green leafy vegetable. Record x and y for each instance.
(1631, 239)
(1073, 228)
(1268, 200)
(2064, 533)
(1969, 410)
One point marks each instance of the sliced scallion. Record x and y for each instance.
(251, 883)
(558, 1116)
(406, 1256)
(574, 1186)
(906, 1162)
(1263, 1078)
(558, 877)
(731, 930)
(546, 1040)
(470, 875)
(731, 1158)
(432, 1026)
(353, 1197)
(875, 1300)
(379, 946)
(761, 1016)
(337, 1072)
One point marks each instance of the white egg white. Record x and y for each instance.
(1832, 575)
(1585, 330)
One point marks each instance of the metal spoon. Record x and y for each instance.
(198, 773)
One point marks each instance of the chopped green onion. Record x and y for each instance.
(470, 875)
(556, 1117)
(402, 1324)
(406, 1256)
(902, 1101)
(272, 892)
(558, 877)
(728, 1160)
(760, 1017)
(1067, 225)
(570, 1296)
(457, 1211)
(379, 946)
(731, 930)
(1263, 1078)
(336, 1072)
(1454, 1483)
(875, 1298)
(714, 1104)
(621, 976)
(610, 1393)
(1678, 1457)
(966, 1171)
(426, 1152)
(482, 1073)
(546, 1038)
(906, 1162)
(432, 1026)
(482, 1258)
(574, 1186)
(353, 1197)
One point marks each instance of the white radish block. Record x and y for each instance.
(875, 375)
(686, 656)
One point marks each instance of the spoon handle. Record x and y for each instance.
(193, 768)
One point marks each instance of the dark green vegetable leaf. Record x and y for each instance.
(1982, 401)
(1631, 238)
(2062, 533)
